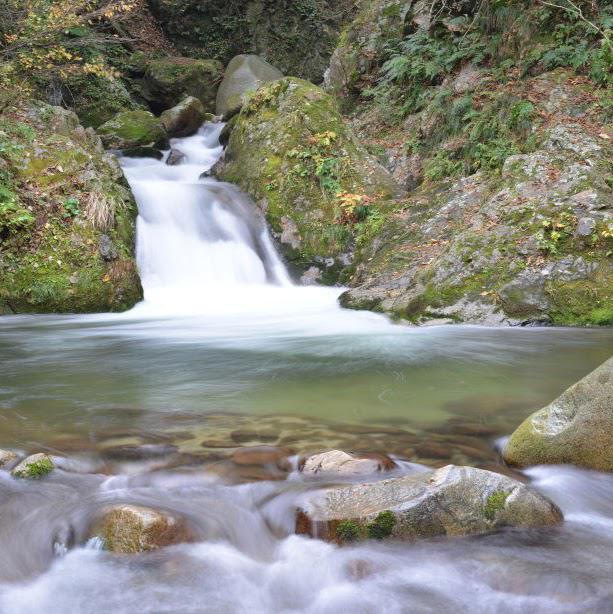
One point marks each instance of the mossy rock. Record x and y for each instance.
(34, 467)
(291, 150)
(73, 251)
(452, 501)
(576, 428)
(169, 80)
(131, 529)
(131, 129)
(96, 100)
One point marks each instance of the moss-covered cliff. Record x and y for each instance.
(66, 217)
(496, 119)
(291, 150)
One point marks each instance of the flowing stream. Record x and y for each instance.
(148, 407)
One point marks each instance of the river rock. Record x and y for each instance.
(133, 129)
(243, 76)
(34, 466)
(263, 455)
(576, 428)
(169, 80)
(183, 119)
(7, 457)
(339, 462)
(452, 501)
(176, 156)
(132, 529)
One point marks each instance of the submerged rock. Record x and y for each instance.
(339, 462)
(576, 428)
(132, 129)
(7, 457)
(176, 156)
(183, 119)
(263, 455)
(291, 150)
(132, 529)
(34, 466)
(452, 501)
(169, 80)
(243, 76)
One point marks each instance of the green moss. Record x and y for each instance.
(49, 251)
(382, 526)
(495, 503)
(37, 469)
(348, 531)
(133, 129)
(291, 150)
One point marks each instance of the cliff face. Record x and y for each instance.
(296, 37)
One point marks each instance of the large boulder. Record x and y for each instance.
(169, 80)
(34, 466)
(132, 529)
(576, 428)
(452, 501)
(131, 129)
(291, 150)
(183, 119)
(243, 76)
(67, 230)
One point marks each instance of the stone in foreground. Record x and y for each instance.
(337, 462)
(34, 466)
(576, 428)
(183, 119)
(7, 457)
(243, 76)
(132, 529)
(452, 501)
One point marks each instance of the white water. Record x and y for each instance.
(204, 250)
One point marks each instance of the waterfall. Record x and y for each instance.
(197, 237)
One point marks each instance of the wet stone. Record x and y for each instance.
(132, 529)
(263, 455)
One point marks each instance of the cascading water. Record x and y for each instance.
(148, 407)
(197, 237)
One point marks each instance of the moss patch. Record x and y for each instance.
(495, 503)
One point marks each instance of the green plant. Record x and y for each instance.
(348, 531)
(12, 215)
(71, 208)
(37, 469)
(554, 231)
(382, 526)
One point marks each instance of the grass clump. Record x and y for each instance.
(348, 531)
(495, 503)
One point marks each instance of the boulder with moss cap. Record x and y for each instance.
(291, 150)
(452, 501)
(132, 129)
(576, 428)
(34, 466)
(168, 80)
